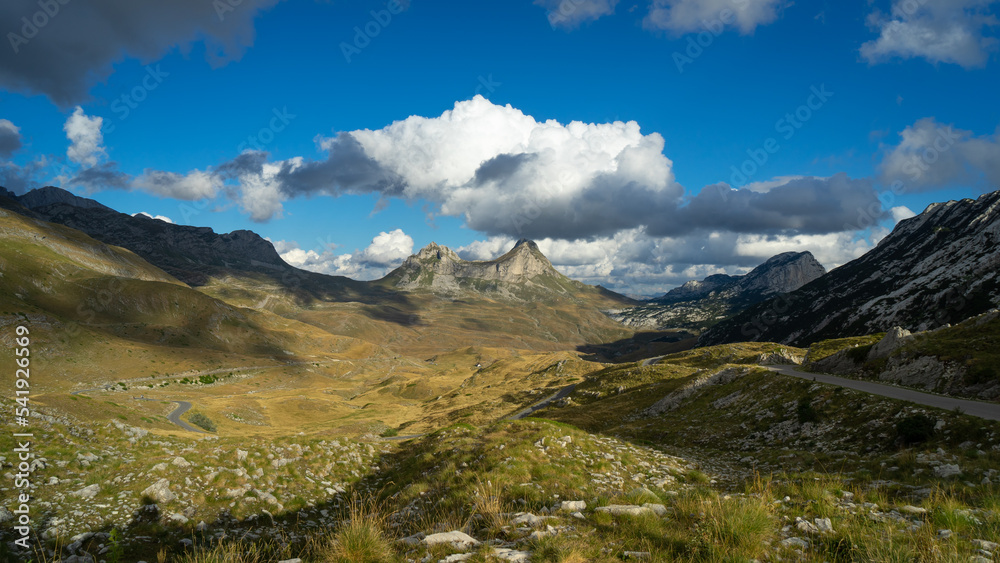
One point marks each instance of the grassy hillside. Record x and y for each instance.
(755, 466)
(99, 314)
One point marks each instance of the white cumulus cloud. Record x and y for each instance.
(569, 14)
(86, 140)
(385, 253)
(163, 218)
(684, 16)
(388, 249)
(635, 263)
(900, 213)
(192, 186)
(932, 155)
(941, 31)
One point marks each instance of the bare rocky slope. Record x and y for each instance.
(937, 268)
(698, 304)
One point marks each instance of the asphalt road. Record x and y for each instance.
(651, 361)
(989, 411)
(564, 392)
(174, 416)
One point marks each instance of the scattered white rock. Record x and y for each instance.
(658, 509)
(824, 525)
(528, 518)
(456, 538)
(799, 543)
(947, 470)
(160, 491)
(176, 518)
(624, 509)
(573, 505)
(986, 545)
(87, 492)
(512, 555)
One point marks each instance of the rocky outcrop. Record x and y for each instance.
(893, 340)
(901, 358)
(937, 268)
(440, 267)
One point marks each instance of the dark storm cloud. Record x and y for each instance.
(502, 166)
(804, 205)
(102, 177)
(10, 138)
(347, 169)
(61, 48)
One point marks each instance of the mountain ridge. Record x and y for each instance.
(698, 304)
(937, 268)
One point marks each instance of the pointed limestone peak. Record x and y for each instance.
(529, 249)
(782, 273)
(439, 266)
(436, 252)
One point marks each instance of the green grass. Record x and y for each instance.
(826, 348)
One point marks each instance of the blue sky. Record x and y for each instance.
(154, 112)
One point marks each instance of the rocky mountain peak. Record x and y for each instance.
(937, 268)
(435, 251)
(51, 195)
(440, 267)
(782, 273)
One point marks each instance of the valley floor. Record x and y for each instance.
(701, 456)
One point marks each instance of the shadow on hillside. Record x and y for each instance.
(381, 303)
(640, 346)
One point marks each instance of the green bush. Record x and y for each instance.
(915, 429)
(201, 420)
(806, 412)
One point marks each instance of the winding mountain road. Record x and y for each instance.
(989, 411)
(174, 416)
(564, 392)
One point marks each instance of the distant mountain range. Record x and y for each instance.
(937, 268)
(190, 254)
(699, 304)
(435, 296)
(940, 267)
